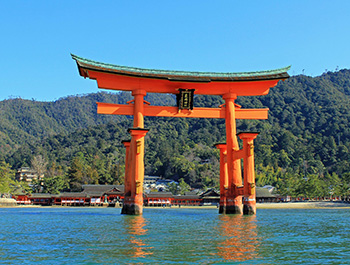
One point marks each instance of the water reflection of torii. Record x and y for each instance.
(136, 229)
(240, 238)
(185, 85)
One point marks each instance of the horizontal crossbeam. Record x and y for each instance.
(164, 111)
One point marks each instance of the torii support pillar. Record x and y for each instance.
(223, 177)
(127, 178)
(133, 204)
(249, 203)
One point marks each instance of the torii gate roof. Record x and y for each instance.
(116, 77)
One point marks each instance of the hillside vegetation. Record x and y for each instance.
(304, 143)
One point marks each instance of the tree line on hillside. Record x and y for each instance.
(303, 148)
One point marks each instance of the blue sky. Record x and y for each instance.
(37, 38)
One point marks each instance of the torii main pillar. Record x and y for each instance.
(234, 200)
(133, 199)
(184, 85)
(134, 172)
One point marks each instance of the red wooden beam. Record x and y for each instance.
(164, 111)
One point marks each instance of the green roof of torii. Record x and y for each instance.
(280, 73)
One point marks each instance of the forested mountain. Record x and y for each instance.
(306, 137)
(22, 121)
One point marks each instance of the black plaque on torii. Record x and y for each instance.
(185, 99)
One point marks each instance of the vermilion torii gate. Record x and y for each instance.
(185, 85)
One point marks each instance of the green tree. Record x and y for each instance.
(36, 185)
(76, 172)
(183, 186)
(7, 183)
(335, 186)
(117, 174)
(313, 187)
(289, 184)
(55, 180)
(173, 188)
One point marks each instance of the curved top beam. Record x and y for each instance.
(186, 76)
(116, 77)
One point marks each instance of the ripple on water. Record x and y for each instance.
(173, 236)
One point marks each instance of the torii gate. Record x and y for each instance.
(185, 84)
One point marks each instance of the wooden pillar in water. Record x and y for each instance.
(249, 202)
(133, 204)
(223, 177)
(127, 177)
(234, 200)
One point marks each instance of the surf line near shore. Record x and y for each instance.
(304, 205)
(278, 205)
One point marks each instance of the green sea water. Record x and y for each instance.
(173, 236)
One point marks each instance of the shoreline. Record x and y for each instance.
(304, 205)
(265, 205)
(278, 205)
